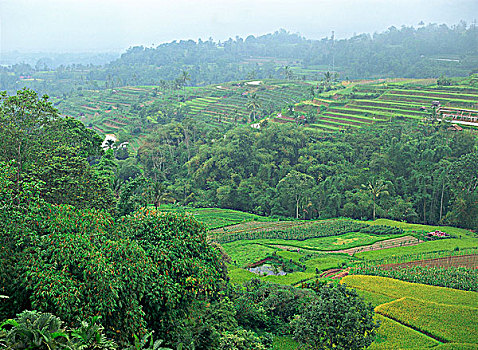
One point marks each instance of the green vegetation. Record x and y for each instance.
(399, 289)
(107, 246)
(375, 299)
(284, 343)
(215, 218)
(301, 232)
(322, 325)
(131, 113)
(231, 172)
(415, 52)
(445, 314)
(394, 335)
(444, 322)
(422, 248)
(451, 277)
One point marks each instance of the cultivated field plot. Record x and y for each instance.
(382, 244)
(421, 314)
(399, 289)
(445, 323)
(288, 230)
(394, 335)
(340, 242)
(470, 261)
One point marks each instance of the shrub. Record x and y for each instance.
(338, 318)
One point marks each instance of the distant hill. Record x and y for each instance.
(423, 52)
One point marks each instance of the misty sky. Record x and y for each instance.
(115, 25)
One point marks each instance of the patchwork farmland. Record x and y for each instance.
(424, 285)
(129, 112)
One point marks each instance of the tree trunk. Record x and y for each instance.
(374, 208)
(296, 206)
(441, 200)
(424, 210)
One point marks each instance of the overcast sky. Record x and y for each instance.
(115, 25)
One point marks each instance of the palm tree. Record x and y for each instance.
(288, 73)
(184, 77)
(376, 188)
(157, 193)
(253, 105)
(327, 78)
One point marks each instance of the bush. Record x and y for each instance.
(382, 230)
(36, 330)
(338, 318)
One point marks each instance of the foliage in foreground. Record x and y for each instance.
(336, 319)
(35, 330)
(77, 263)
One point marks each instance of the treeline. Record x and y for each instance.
(401, 170)
(427, 51)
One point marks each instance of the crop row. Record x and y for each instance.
(392, 104)
(317, 229)
(331, 119)
(382, 230)
(378, 110)
(361, 119)
(261, 226)
(422, 99)
(323, 126)
(398, 259)
(355, 110)
(452, 277)
(436, 94)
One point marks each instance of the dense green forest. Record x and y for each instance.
(426, 51)
(400, 170)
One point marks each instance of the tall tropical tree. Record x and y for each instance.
(288, 73)
(157, 193)
(376, 188)
(184, 77)
(253, 104)
(327, 78)
(296, 185)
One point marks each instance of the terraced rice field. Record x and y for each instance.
(113, 110)
(386, 244)
(457, 104)
(424, 314)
